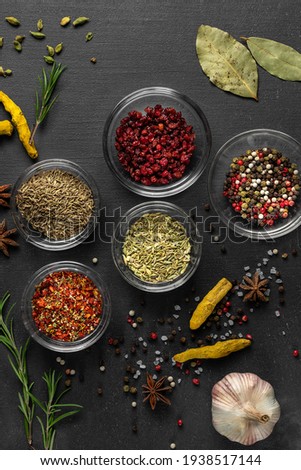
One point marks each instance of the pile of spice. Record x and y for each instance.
(157, 248)
(262, 186)
(66, 306)
(56, 203)
(155, 148)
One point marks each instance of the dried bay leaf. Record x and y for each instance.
(276, 58)
(226, 62)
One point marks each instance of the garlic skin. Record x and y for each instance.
(244, 408)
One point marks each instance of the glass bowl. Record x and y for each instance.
(194, 116)
(38, 239)
(120, 233)
(238, 145)
(65, 346)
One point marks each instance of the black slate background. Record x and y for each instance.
(139, 44)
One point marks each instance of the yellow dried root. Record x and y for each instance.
(209, 302)
(20, 123)
(6, 128)
(217, 350)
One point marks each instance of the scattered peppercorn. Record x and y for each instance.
(153, 335)
(284, 255)
(281, 289)
(126, 388)
(133, 390)
(183, 340)
(99, 391)
(134, 428)
(223, 249)
(206, 207)
(294, 252)
(68, 382)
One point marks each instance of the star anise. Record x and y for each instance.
(4, 195)
(256, 288)
(5, 239)
(154, 389)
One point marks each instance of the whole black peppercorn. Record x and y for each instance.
(135, 428)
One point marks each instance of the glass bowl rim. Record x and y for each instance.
(65, 346)
(238, 229)
(177, 186)
(138, 211)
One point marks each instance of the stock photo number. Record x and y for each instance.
(222, 460)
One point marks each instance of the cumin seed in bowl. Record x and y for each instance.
(55, 204)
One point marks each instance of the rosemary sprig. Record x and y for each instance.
(45, 102)
(52, 407)
(18, 363)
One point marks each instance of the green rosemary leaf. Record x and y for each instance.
(60, 396)
(17, 360)
(45, 102)
(51, 442)
(66, 405)
(63, 416)
(42, 429)
(38, 402)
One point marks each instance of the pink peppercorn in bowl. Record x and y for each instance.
(254, 185)
(66, 306)
(156, 142)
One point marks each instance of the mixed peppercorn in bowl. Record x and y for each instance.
(254, 184)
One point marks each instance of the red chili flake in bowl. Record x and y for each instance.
(155, 148)
(66, 306)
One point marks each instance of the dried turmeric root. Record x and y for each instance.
(217, 350)
(6, 128)
(20, 123)
(209, 302)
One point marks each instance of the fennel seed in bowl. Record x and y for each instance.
(55, 203)
(156, 248)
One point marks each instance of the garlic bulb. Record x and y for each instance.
(244, 408)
